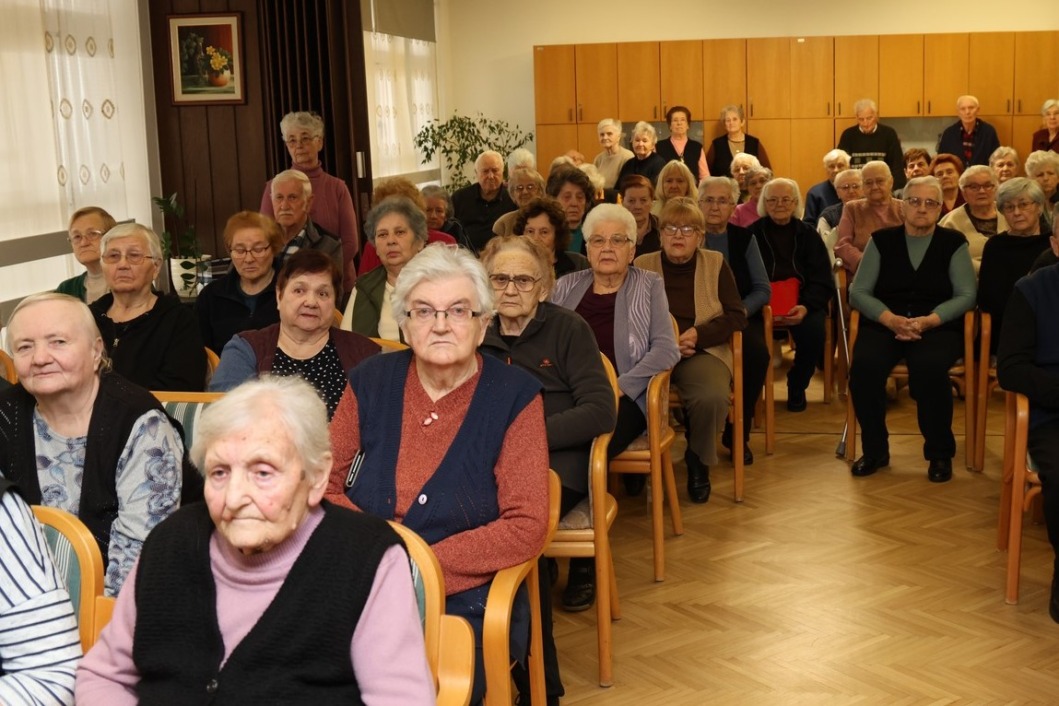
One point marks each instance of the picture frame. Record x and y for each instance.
(206, 59)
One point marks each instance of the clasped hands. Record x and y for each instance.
(909, 329)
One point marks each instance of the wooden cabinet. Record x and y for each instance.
(553, 81)
(768, 76)
(944, 72)
(1022, 129)
(1003, 126)
(552, 141)
(811, 139)
(991, 72)
(856, 72)
(812, 62)
(1036, 71)
(775, 135)
(587, 144)
(901, 75)
(724, 79)
(681, 75)
(638, 84)
(597, 82)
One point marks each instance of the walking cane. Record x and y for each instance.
(840, 450)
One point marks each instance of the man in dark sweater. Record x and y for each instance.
(478, 205)
(868, 140)
(971, 139)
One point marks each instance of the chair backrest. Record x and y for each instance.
(389, 346)
(7, 368)
(336, 317)
(76, 556)
(212, 361)
(103, 613)
(186, 407)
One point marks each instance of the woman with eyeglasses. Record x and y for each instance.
(746, 213)
(87, 227)
(978, 219)
(523, 185)
(244, 299)
(152, 339)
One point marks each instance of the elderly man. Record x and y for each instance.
(292, 197)
(970, 138)
(478, 205)
(850, 186)
(822, 195)
(869, 141)
(88, 225)
(862, 217)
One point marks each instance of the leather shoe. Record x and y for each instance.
(796, 401)
(939, 470)
(698, 478)
(580, 591)
(866, 465)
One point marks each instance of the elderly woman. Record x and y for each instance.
(705, 302)
(862, 217)
(305, 342)
(264, 593)
(448, 442)
(332, 205)
(978, 218)
(912, 288)
(638, 196)
(824, 194)
(544, 222)
(523, 185)
(1043, 167)
(680, 147)
(152, 340)
(613, 156)
(244, 299)
(1005, 163)
(441, 215)
(724, 148)
(947, 168)
(397, 230)
(674, 181)
(794, 254)
(77, 437)
(746, 213)
(645, 161)
(1047, 138)
(1009, 255)
(403, 188)
(572, 189)
(741, 166)
(849, 185)
(87, 227)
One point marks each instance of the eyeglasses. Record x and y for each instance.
(457, 314)
(529, 188)
(710, 201)
(256, 251)
(1013, 206)
(614, 241)
(113, 257)
(849, 187)
(683, 231)
(79, 238)
(988, 186)
(523, 283)
(875, 182)
(779, 201)
(303, 141)
(916, 202)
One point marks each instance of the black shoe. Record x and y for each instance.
(634, 483)
(580, 591)
(698, 478)
(939, 470)
(866, 465)
(726, 436)
(796, 400)
(748, 455)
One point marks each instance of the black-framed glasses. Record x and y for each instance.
(683, 231)
(113, 257)
(256, 251)
(458, 313)
(79, 238)
(523, 283)
(916, 202)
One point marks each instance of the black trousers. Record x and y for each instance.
(1043, 445)
(874, 355)
(630, 425)
(808, 349)
(755, 367)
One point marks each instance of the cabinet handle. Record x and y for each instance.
(929, 112)
(580, 112)
(1020, 105)
(829, 108)
(839, 112)
(1009, 105)
(570, 115)
(656, 112)
(751, 108)
(917, 107)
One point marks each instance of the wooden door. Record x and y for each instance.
(553, 82)
(638, 85)
(1003, 126)
(775, 135)
(811, 139)
(681, 75)
(901, 75)
(945, 71)
(768, 74)
(1022, 129)
(597, 82)
(587, 142)
(552, 141)
(1036, 71)
(812, 77)
(991, 72)
(724, 79)
(856, 72)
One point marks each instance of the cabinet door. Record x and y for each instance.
(944, 71)
(587, 144)
(597, 82)
(768, 72)
(552, 141)
(681, 75)
(856, 72)
(811, 139)
(1022, 129)
(724, 79)
(901, 75)
(638, 88)
(991, 72)
(1003, 126)
(775, 135)
(812, 77)
(553, 81)
(1036, 71)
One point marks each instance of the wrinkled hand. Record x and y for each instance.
(687, 342)
(794, 316)
(904, 329)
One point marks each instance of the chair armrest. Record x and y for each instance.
(455, 662)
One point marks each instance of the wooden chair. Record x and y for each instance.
(449, 638)
(185, 407)
(1020, 487)
(389, 346)
(104, 611)
(984, 385)
(7, 368)
(76, 556)
(961, 373)
(651, 455)
(212, 361)
(336, 317)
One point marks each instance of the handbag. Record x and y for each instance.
(784, 296)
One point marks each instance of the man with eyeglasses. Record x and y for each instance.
(292, 199)
(824, 194)
(88, 225)
(862, 217)
(912, 288)
(970, 138)
(478, 205)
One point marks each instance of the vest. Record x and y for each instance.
(1041, 290)
(690, 158)
(297, 653)
(722, 153)
(367, 309)
(351, 347)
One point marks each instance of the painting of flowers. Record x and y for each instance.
(206, 57)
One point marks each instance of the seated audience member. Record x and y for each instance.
(151, 338)
(1047, 138)
(705, 302)
(227, 598)
(523, 185)
(645, 161)
(87, 227)
(674, 181)
(521, 158)
(600, 195)
(93, 444)
(850, 186)
(970, 138)
(917, 163)
(543, 221)
(404, 188)
(441, 216)
(292, 199)
(870, 141)
(39, 643)
(576, 158)
(912, 288)
(244, 299)
(1010, 254)
(741, 166)
(479, 204)
(305, 342)
(613, 156)
(442, 421)
(637, 196)
(822, 195)
(947, 168)
(792, 250)
(397, 229)
(1005, 162)
(332, 204)
(717, 199)
(862, 217)
(978, 218)
(746, 213)
(1026, 363)
(724, 148)
(574, 192)
(1043, 167)
(678, 146)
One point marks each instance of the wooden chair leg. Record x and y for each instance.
(770, 409)
(657, 538)
(671, 490)
(535, 660)
(604, 576)
(829, 359)
(1007, 474)
(851, 428)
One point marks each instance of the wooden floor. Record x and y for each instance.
(822, 588)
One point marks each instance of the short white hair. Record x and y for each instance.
(134, 230)
(610, 122)
(799, 208)
(1038, 159)
(836, 154)
(439, 261)
(520, 158)
(972, 99)
(977, 170)
(881, 165)
(928, 181)
(488, 154)
(610, 213)
(292, 175)
(865, 104)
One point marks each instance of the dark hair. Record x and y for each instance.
(915, 153)
(550, 208)
(945, 157)
(571, 175)
(677, 109)
(310, 262)
(636, 181)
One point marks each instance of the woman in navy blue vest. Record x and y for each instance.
(679, 146)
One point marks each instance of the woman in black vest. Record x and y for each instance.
(734, 141)
(679, 146)
(913, 286)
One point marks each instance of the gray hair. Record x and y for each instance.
(521, 158)
(865, 104)
(134, 230)
(293, 175)
(977, 170)
(732, 108)
(929, 181)
(728, 182)
(401, 206)
(310, 122)
(758, 170)
(744, 157)
(440, 261)
(1048, 105)
(850, 173)
(83, 316)
(593, 175)
(643, 128)
(525, 174)
(1040, 159)
(1016, 187)
(799, 208)
(290, 400)
(488, 153)
(611, 122)
(610, 213)
(433, 191)
(881, 165)
(973, 99)
(1000, 152)
(836, 154)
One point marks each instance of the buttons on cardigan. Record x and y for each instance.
(212, 686)
(423, 499)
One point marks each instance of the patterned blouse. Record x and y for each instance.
(323, 371)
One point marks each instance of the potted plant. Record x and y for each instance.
(180, 246)
(460, 140)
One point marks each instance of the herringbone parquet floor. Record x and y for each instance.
(822, 588)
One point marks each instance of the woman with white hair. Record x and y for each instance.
(674, 181)
(1043, 167)
(740, 168)
(645, 161)
(978, 218)
(523, 185)
(1047, 138)
(441, 214)
(610, 161)
(724, 148)
(1005, 163)
(746, 213)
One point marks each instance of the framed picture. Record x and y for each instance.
(206, 59)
